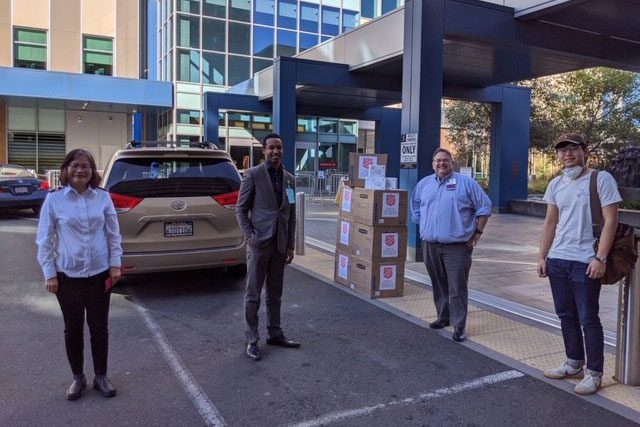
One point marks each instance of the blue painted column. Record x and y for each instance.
(508, 164)
(138, 126)
(211, 121)
(284, 108)
(421, 94)
(387, 136)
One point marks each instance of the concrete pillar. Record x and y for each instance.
(421, 93)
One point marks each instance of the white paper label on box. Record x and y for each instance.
(364, 163)
(343, 266)
(387, 277)
(377, 183)
(390, 245)
(390, 205)
(377, 171)
(345, 226)
(347, 193)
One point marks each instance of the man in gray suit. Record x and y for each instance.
(266, 212)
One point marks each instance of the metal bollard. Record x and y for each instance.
(300, 223)
(628, 338)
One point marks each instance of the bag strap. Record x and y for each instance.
(596, 207)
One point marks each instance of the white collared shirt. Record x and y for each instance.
(78, 234)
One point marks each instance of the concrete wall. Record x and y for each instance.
(96, 132)
(3, 132)
(65, 39)
(5, 33)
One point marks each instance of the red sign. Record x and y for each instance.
(367, 162)
(391, 199)
(343, 261)
(345, 227)
(390, 239)
(347, 195)
(387, 272)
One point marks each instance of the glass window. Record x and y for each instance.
(188, 31)
(263, 11)
(288, 14)
(217, 8)
(307, 41)
(351, 4)
(307, 124)
(261, 64)
(97, 55)
(389, 5)
(348, 127)
(30, 49)
(238, 69)
(328, 156)
(286, 43)
(330, 21)
(239, 38)
(309, 17)
(263, 41)
(368, 8)
(189, 117)
(328, 126)
(214, 34)
(350, 20)
(239, 10)
(325, 38)
(189, 66)
(189, 6)
(213, 68)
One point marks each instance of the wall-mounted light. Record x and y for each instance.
(84, 106)
(79, 119)
(110, 119)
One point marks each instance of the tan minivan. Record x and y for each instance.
(176, 209)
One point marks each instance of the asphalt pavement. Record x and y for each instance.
(176, 356)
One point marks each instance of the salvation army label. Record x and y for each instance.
(390, 245)
(346, 199)
(343, 266)
(387, 277)
(390, 205)
(365, 162)
(345, 226)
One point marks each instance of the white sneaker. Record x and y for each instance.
(564, 371)
(590, 383)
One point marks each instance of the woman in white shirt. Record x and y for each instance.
(79, 252)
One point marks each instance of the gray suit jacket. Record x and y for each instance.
(258, 213)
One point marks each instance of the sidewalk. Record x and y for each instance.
(504, 266)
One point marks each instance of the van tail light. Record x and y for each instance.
(44, 185)
(124, 203)
(227, 200)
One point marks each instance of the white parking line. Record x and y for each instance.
(454, 389)
(206, 408)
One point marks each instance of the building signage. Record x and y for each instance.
(409, 151)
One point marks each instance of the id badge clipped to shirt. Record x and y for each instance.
(451, 184)
(291, 198)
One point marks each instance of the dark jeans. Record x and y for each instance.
(77, 295)
(575, 297)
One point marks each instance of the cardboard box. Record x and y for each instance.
(378, 243)
(359, 166)
(343, 238)
(341, 268)
(379, 207)
(345, 209)
(377, 279)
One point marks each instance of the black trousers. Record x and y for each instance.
(77, 296)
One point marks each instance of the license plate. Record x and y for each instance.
(20, 190)
(177, 229)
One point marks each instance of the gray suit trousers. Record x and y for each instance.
(448, 265)
(263, 265)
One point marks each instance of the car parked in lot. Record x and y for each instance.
(20, 188)
(176, 208)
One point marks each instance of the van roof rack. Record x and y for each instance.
(171, 144)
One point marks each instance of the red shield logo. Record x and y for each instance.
(390, 239)
(345, 228)
(367, 162)
(343, 261)
(391, 199)
(347, 195)
(387, 272)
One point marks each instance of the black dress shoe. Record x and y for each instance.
(75, 389)
(459, 335)
(253, 351)
(104, 386)
(282, 341)
(439, 324)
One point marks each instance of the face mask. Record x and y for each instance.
(573, 172)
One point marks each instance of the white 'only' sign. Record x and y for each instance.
(409, 150)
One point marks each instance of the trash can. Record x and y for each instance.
(628, 337)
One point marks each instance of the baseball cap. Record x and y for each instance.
(569, 138)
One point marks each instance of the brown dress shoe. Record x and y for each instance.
(75, 389)
(104, 386)
(282, 341)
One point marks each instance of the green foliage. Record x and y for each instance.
(539, 185)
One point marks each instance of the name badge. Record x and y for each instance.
(290, 196)
(450, 185)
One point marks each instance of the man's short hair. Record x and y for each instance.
(441, 150)
(270, 136)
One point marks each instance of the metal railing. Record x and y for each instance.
(53, 178)
(317, 188)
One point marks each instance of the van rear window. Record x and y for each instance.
(166, 177)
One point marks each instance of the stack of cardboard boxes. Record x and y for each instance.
(371, 246)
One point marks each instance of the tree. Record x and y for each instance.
(469, 128)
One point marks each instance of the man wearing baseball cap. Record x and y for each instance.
(568, 259)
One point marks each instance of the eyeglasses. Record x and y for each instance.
(569, 149)
(80, 166)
